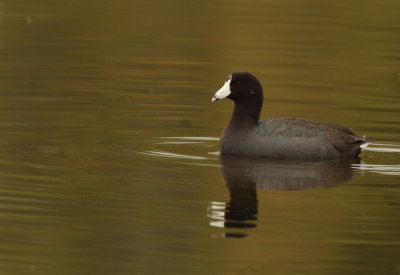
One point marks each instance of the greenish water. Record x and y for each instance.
(109, 140)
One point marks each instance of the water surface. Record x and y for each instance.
(109, 141)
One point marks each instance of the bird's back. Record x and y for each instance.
(293, 138)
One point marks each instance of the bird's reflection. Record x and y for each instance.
(244, 175)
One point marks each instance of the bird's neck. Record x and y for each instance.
(245, 114)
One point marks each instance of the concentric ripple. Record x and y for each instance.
(383, 147)
(204, 151)
(379, 168)
(389, 153)
(191, 150)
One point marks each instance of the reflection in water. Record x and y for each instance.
(243, 175)
(240, 212)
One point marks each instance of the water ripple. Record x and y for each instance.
(383, 147)
(378, 168)
(172, 155)
(191, 150)
(196, 151)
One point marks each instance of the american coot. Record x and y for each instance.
(246, 135)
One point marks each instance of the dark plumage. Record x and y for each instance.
(246, 135)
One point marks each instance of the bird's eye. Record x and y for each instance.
(237, 82)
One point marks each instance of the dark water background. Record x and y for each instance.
(109, 140)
